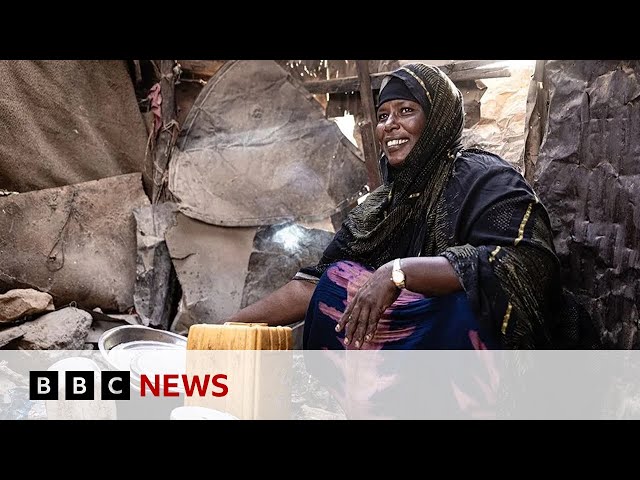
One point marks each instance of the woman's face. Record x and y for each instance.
(400, 123)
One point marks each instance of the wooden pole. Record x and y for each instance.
(168, 132)
(367, 126)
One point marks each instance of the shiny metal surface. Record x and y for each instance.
(141, 349)
(138, 336)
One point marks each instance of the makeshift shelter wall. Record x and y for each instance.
(64, 122)
(587, 174)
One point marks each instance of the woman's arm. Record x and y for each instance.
(430, 276)
(286, 305)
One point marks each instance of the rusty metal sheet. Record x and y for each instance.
(77, 243)
(211, 265)
(588, 176)
(256, 149)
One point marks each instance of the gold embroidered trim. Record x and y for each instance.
(421, 83)
(524, 223)
(494, 253)
(505, 320)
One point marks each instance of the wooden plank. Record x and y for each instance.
(343, 85)
(367, 127)
(352, 84)
(469, 64)
(479, 74)
(204, 69)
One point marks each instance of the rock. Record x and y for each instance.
(130, 319)
(98, 327)
(66, 329)
(22, 302)
(9, 335)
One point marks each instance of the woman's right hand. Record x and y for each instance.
(360, 318)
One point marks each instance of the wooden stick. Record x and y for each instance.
(367, 127)
(168, 133)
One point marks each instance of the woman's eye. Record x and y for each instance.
(407, 110)
(382, 117)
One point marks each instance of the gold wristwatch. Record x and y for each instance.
(397, 275)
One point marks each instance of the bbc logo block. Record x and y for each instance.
(43, 385)
(79, 385)
(115, 385)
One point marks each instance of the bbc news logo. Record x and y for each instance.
(114, 385)
(79, 385)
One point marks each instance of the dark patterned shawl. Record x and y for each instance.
(476, 210)
(374, 230)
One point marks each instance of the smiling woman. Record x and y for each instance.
(453, 251)
(401, 120)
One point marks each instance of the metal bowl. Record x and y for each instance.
(141, 349)
(130, 336)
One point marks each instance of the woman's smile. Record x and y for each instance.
(396, 144)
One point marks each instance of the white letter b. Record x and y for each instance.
(79, 386)
(43, 386)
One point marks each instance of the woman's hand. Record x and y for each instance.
(360, 319)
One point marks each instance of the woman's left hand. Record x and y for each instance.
(360, 319)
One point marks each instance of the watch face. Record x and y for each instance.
(398, 276)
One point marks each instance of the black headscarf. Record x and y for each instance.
(393, 88)
(405, 203)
